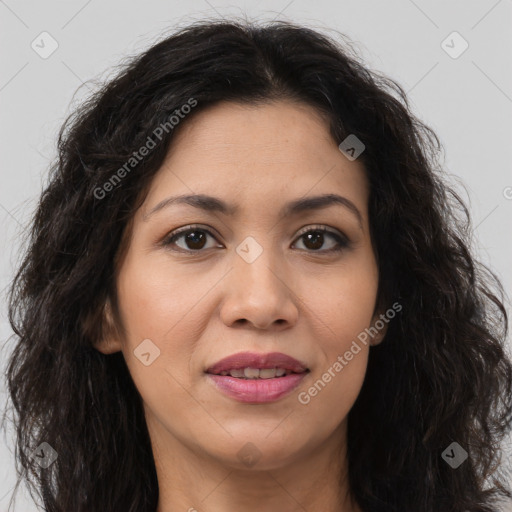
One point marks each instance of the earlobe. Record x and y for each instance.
(109, 342)
(377, 340)
(107, 346)
(379, 329)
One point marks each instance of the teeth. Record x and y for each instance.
(251, 373)
(256, 373)
(268, 373)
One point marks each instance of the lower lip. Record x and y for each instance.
(257, 391)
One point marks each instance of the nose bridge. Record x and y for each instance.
(260, 293)
(255, 266)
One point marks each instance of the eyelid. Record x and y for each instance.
(185, 229)
(321, 227)
(343, 239)
(191, 227)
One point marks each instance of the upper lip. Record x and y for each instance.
(255, 360)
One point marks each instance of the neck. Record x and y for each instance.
(191, 481)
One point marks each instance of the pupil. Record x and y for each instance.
(191, 237)
(317, 236)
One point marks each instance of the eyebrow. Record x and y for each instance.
(215, 204)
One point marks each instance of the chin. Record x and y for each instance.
(256, 453)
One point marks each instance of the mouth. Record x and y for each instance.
(257, 378)
(256, 373)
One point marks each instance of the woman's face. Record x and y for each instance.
(251, 278)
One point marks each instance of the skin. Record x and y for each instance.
(199, 307)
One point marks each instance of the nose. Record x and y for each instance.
(259, 294)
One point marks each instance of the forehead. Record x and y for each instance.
(247, 153)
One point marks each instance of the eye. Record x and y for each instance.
(195, 239)
(315, 238)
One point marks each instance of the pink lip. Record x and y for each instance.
(257, 391)
(255, 360)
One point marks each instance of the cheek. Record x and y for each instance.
(157, 305)
(336, 382)
(344, 305)
(328, 398)
(343, 309)
(155, 298)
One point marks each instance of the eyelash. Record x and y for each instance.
(341, 240)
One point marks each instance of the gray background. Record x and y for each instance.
(467, 100)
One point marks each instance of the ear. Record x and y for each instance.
(379, 328)
(110, 341)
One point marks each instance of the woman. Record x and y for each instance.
(248, 287)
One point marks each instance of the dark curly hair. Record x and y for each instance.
(442, 374)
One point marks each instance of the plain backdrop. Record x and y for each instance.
(459, 84)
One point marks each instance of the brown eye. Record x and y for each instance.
(314, 239)
(194, 239)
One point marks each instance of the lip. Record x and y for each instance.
(257, 391)
(255, 360)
